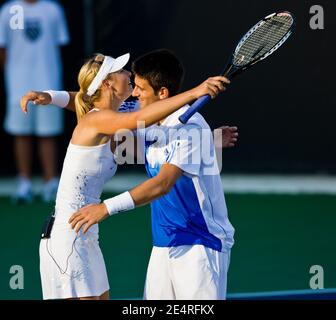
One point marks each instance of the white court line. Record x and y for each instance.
(292, 184)
(256, 184)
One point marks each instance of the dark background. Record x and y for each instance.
(284, 107)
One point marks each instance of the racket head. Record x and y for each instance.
(258, 43)
(263, 39)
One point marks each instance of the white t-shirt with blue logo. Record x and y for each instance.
(33, 57)
(194, 211)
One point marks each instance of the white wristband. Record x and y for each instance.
(59, 98)
(119, 203)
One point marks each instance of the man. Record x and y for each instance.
(30, 55)
(192, 235)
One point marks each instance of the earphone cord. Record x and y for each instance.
(67, 263)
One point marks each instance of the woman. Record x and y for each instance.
(72, 265)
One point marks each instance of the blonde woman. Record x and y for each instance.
(71, 264)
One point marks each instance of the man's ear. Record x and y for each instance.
(163, 93)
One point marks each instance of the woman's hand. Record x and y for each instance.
(36, 97)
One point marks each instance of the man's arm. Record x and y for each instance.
(156, 187)
(44, 98)
(144, 193)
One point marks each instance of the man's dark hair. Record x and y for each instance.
(161, 68)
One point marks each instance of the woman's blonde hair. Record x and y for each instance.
(89, 70)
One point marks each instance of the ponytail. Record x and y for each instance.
(83, 102)
(83, 106)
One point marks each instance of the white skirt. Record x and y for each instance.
(71, 265)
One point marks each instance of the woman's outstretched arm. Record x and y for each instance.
(109, 122)
(44, 98)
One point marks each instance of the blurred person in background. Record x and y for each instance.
(30, 56)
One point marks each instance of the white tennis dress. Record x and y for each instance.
(72, 265)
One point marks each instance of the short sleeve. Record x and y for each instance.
(62, 27)
(185, 149)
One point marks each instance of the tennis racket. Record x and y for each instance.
(257, 44)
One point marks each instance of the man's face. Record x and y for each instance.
(144, 92)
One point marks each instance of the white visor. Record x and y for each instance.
(109, 65)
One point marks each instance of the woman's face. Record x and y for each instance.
(121, 84)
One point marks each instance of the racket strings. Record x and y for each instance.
(262, 40)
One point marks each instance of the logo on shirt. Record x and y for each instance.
(33, 29)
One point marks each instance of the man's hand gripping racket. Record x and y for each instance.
(258, 43)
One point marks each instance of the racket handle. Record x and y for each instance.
(198, 104)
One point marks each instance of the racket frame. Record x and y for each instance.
(231, 70)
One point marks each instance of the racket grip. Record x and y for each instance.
(198, 104)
